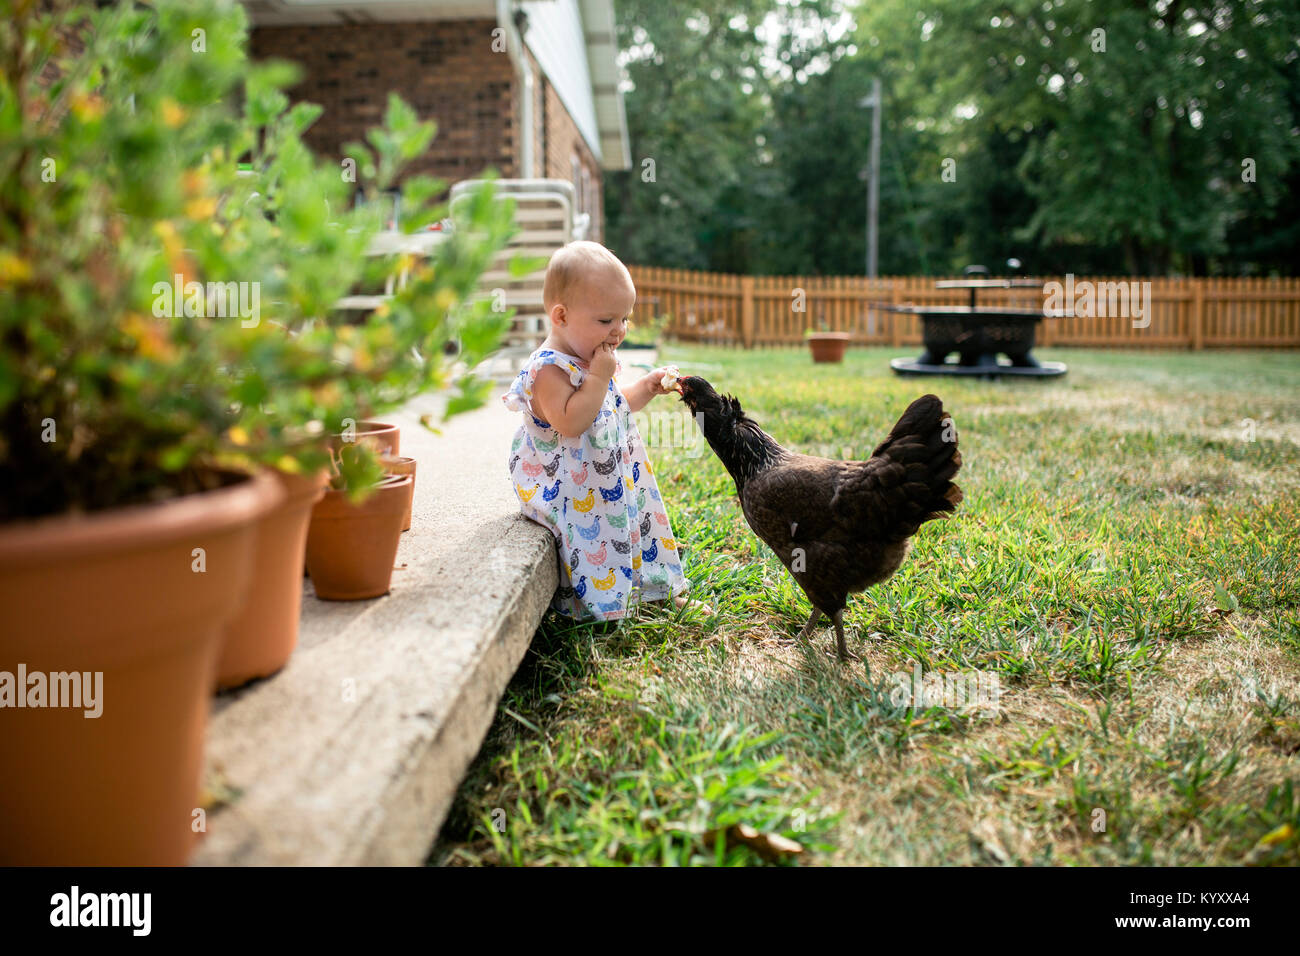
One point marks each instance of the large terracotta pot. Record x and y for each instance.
(127, 594)
(262, 636)
(403, 466)
(351, 548)
(828, 346)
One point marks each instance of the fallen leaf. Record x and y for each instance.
(1281, 834)
(772, 847)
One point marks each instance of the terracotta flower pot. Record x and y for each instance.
(403, 466)
(384, 438)
(828, 346)
(351, 548)
(127, 594)
(262, 636)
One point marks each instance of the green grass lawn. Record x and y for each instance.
(1125, 566)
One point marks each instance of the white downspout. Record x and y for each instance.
(515, 47)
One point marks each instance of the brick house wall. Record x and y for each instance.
(448, 72)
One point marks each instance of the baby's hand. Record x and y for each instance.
(603, 363)
(663, 381)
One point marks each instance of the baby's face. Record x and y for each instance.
(598, 315)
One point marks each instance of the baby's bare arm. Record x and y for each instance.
(569, 410)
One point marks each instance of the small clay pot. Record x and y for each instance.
(402, 466)
(351, 548)
(261, 638)
(384, 438)
(828, 346)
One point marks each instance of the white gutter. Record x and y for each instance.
(515, 47)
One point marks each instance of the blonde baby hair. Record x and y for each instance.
(573, 266)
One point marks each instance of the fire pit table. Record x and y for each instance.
(977, 334)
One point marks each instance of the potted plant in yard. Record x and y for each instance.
(355, 528)
(826, 346)
(169, 380)
(383, 438)
(274, 206)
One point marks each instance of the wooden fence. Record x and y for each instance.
(723, 309)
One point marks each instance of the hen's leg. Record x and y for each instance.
(812, 623)
(841, 645)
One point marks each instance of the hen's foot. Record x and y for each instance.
(841, 646)
(812, 623)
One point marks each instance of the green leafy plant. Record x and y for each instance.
(166, 315)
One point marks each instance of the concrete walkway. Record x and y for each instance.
(353, 753)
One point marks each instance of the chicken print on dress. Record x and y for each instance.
(597, 495)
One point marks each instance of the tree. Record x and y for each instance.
(692, 119)
(1139, 117)
(1094, 136)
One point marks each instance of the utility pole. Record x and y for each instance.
(873, 180)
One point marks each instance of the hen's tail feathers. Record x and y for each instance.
(924, 443)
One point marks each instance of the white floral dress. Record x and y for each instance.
(598, 496)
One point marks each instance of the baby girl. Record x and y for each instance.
(578, 463)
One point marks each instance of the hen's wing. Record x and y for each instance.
(791, 505)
